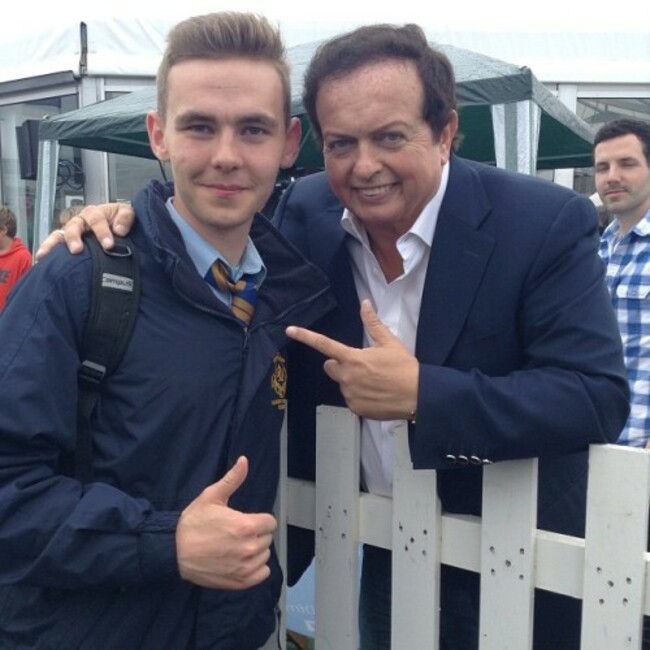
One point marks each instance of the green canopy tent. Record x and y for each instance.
(507, 118)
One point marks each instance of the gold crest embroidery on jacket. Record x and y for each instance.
(279, 382)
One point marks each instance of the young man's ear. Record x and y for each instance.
(292, 144)
(156, 131)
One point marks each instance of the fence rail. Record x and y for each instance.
(608, 569)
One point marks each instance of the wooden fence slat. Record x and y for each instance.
(337, 529)
(509, 523)
(615, 545)
(609, 569)
(416, 552)
(376, 520)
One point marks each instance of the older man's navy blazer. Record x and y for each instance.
(520, 354)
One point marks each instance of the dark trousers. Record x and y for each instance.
(557, 617)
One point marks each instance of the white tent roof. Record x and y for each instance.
(132, 47)
(121, 47)
(567, 57)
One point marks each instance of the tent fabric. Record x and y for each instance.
(113, 125)
(481, 82)
(516, 135)
(131, 44)
(129, 47)
(118, 125)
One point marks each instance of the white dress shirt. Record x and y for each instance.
(398, 306)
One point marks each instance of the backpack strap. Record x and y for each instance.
(113, 310)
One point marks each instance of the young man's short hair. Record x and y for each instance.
(224, 35)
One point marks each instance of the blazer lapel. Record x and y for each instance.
(459, 255)
(328, 249)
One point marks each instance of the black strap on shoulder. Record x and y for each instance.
(113, 310)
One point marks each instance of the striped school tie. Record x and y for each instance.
(244, 292)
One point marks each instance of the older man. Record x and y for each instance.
(500, 342)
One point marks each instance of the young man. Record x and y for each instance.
(15, 258)
(622, 173)
(500, 341)
(170, 545)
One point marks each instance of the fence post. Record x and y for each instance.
(337, 528)
(416, 552)
(508, 528)
(615, 546)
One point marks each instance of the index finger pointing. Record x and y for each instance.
(319, 342)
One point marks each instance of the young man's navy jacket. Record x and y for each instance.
(95, 567)
(519, 349)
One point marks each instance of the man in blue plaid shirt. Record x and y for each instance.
(622, 171)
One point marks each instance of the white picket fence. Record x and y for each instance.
(608, 569)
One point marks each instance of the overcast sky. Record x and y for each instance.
(333, 16)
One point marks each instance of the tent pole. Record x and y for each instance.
(48, 156)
